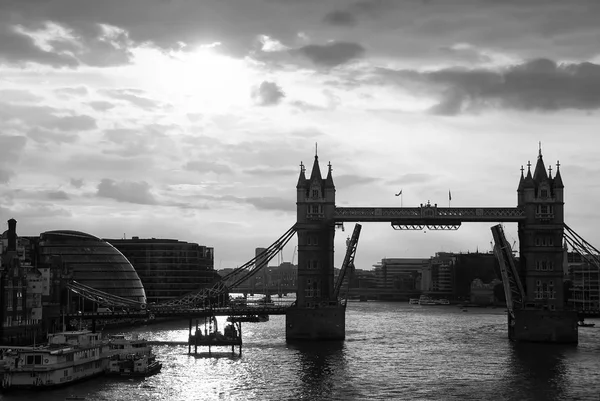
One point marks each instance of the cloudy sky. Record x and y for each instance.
(189, 119)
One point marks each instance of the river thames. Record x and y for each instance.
(393, 351)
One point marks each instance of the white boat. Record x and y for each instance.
(131, 357)
(425, 300)
(68, 357)
(413, 301)
(133, 365)
(119, 344)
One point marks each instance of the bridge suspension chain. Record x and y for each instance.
(206, 295)
(101, 297)
(194, 299)
(513, 289)
(250, 268)
(590, 254)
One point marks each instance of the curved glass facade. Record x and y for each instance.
(93, 262)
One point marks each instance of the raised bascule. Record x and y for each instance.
(537, 309)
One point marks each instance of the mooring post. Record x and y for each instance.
(189, 338)
(196, 338)
(240, 331)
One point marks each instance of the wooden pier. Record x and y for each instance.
(212, 337)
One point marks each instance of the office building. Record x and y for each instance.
(169, 268)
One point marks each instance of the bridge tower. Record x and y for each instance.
(545, 316)
(317, 314)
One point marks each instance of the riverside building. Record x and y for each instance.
(35, 269)
(169, 268)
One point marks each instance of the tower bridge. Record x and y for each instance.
(541, 315)
(536, 302)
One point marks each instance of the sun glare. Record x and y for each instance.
(199, 78)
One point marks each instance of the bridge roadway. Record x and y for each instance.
(275, 308)
(429, 214)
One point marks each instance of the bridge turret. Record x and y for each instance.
(317, 314)
(521, 188)
(528, 187)
(558, 185)
(541, 238)
(301, 186)
(329, 186)
(316, 230)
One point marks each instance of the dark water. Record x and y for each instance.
(393, 351)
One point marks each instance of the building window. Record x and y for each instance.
(313, 289)
(314, 208)
(544, 193)
(313, 264)
(538, 289)
(315, 193)
(313, 240)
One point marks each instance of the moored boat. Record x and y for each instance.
(133, 365)
(425, 300)
(68, 357)
(131, 357)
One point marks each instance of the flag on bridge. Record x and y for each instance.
(399, 193)
(449, 195)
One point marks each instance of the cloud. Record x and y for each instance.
(77, 183)
(101, 105)
(268, 94)
(45, 117)
(357, 10)
(305, 106)
(126, 191)
(332, 54)
(340, 18)
(11, 148)
(76, 91)
(347, 180)
(18, 95)
(5, 175)
(266, 172)
(207, 167)
(44, 136)
(18, 48)
(26, 37)
(259, 202)
(36, 211)
(57, 195)
(413, 178)
(72, 123)
(131, 96)
(272, 203)
(142, 140)
(540, 84)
